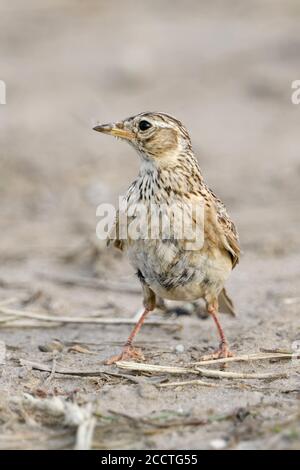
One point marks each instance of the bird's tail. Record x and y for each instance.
(225, 303)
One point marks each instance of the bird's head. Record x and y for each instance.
(158, 137)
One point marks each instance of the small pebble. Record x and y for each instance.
(179, 349)
(52, 346)
(218, 444)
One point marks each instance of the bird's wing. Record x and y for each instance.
(228, 232)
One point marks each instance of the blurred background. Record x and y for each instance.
(224, 68)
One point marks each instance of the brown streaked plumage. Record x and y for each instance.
(169, 267)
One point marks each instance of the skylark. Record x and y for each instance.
(170, 265)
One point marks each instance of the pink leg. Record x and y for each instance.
(129, 352)
(223, 350)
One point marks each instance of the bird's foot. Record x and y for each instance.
(129, 352)
(221, 353)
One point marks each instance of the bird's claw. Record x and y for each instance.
(222, 353)
(129, 352)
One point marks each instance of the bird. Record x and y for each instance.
(171, 265)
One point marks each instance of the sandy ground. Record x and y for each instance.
(225, 69)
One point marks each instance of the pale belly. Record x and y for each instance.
(177, 274)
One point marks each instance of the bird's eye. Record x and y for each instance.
(144, 125)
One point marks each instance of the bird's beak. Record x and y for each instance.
(115, 129)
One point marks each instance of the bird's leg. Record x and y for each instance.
(223, 350)
(129, 352)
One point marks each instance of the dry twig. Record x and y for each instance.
(14, 322)
(188, 382)
(66, 319)
(219, 374)
(246, 358)
(152, 368)
(62, 370)
(86, 373)
(52, 373)
(276, 351)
